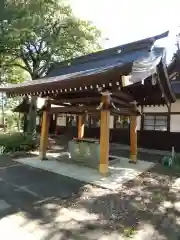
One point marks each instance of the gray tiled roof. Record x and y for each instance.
(119, 55)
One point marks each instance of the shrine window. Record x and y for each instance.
(156, 123)
(71, 121)
(121, 122)
(95, 122)
(86, 121)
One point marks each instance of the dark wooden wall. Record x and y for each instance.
(160, 140)
(146, 139)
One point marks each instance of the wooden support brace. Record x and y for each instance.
(44, 133)
(80, 126)
(104, 137)
(133, 139)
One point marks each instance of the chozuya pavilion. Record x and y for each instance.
(111, 82)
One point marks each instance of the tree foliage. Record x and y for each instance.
(36, 33)
(11, 75)
(41, 32)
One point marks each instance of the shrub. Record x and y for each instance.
(17, 142)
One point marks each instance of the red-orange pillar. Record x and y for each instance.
(104, 136)
(44, 132)
(80, 126)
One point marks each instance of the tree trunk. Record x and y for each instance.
(2, 112)
(32, 115)
(25, 123)
(19, 122)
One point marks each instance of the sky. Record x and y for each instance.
(123, 21)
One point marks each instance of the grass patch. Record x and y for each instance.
(129, 232)
(15, 142)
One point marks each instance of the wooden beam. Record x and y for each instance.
(80, 100)
(104, 137)
(122, 103)
(44, 132)
(124, 96)
(124, 112)
(92, 110)
(133, 139)
(80, 126)
(74, 109)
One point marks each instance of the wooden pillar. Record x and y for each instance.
(104, 136)
(44, 132)
(133, 139)
(142, 118)
(80, 126)
(169, 119)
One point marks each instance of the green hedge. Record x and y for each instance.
(17, 142)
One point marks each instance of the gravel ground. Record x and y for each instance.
(145, 208)
(148, 206)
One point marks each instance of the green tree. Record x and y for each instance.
(40, 32)
(11, 75)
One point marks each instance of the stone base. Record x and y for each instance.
(131, 161)
(119, 173)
